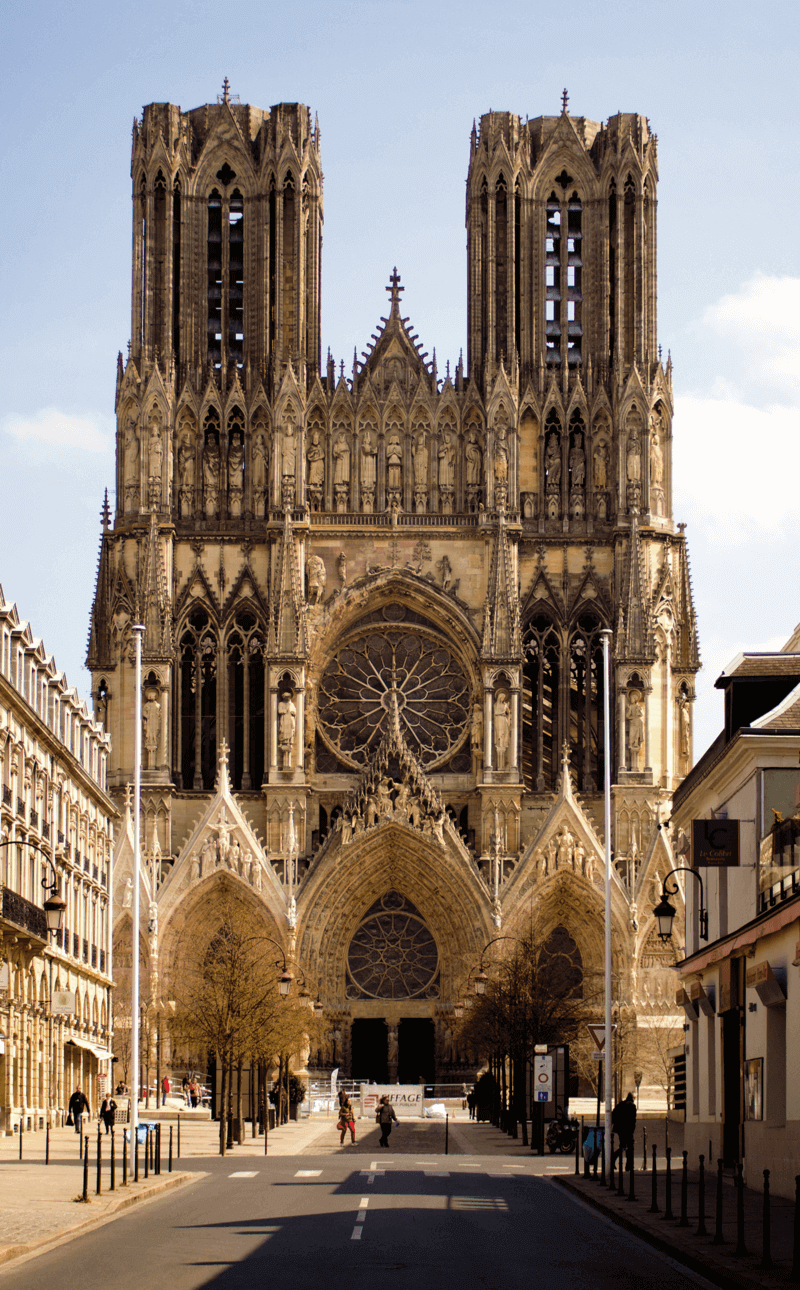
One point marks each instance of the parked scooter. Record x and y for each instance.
(562, 1135)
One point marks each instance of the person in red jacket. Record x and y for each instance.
(164, 1090)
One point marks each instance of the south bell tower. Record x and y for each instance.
(374, 597)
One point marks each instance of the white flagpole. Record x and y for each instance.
(138, 633)
(608, 1047)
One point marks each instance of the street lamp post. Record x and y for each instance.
(664, 912)
(606, 636)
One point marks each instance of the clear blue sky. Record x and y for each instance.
(396, 87)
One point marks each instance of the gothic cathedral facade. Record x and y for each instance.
(374, 597)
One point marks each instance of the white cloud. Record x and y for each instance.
(752, 337)
(89, 432)
(735, 467)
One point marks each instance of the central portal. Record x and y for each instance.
(417, 1054)
(369, 1050)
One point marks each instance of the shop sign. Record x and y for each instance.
(715, 843)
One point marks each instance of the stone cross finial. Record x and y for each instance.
(226, 89)
(394, 288)
(223, 754)
(564, 101)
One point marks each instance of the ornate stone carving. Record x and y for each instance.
(369, 457)
(315, 469)
(316, 578)
(260, 470)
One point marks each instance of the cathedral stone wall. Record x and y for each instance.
(374, 599)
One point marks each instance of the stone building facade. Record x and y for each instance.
(373, 597)
(54, 763)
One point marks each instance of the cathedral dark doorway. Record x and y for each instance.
(369, 1049)
(416, 1050)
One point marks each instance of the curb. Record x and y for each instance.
(10, 1252)
(712, 1271)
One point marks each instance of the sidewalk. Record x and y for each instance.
(718, 1262)
(39, 1203)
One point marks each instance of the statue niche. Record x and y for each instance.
(447, 468)
(131, 467)
(211, 466)
(260, 468)
(369, 458)
(552, 467)
(341, 469)
(420, 457)
(187, 431)
(473, 452)
(236, 465)
(315, 465)
(577, 470)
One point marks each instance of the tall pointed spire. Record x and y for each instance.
(502, 635)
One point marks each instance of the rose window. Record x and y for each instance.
(430, 683)
(393, 955)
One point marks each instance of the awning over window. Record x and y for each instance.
(102, 1054)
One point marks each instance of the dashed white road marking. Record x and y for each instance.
(513, 1166)
(244, 1173)
(356, 1234)
(438, 1173)
(364, 1202)
(308, 1173)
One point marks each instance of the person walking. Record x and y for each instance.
(164, 1090)
(386, 1118)
(623, 1123)
(107, 1111)
(347, 1118)
(78, 1107)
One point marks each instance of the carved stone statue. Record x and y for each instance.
(211, 475)
(155, 450)
(316, 578)
(127, 895)
(223, 838)
(447, 462)
(601, 466)
(341, 568)
(208, 856)
(288, 448)
(235, 474)
(194, 868)
(476, 737)
(502, 728)
(566, 844)
(384, 798)
(131, 466)
(369, 456)
(186, 468)
(577, 463)
(501, 454)
(684, 726)
(151, 721)
(260, 472)
(341, 459)
(287, 722)
(394, 463)
(635, 717)
(552, 462)
(656, 466)
(634, 469)
(474, 456)
(315, 473)
(401, 804)
(421, 458)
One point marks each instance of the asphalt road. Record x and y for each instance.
(404, 1221)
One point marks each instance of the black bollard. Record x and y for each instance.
(447, 1134)
(631, 1167)
(718, 1237)
(621, 1187)
(644, 1148)
(578, 1136)
(113, 1176)
(602, 1150)
(85, 1195)
(99, 1179)
(47, 1146)
(701, 1199)
(179, 1135)
(766, 1244)
(136, 1155)
(21, 1134)
(683, 1221)
(794, 1275)
(654, 1209)
(668, 1199)
(147, 1153)
(158, 1148)
(124, 1156)
(169, 1166)
(741, 1248)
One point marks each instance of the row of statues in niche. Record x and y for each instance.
(564, 851)
(222, 481)
(576, 478)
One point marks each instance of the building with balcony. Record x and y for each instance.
(740, 988)
(55, 819)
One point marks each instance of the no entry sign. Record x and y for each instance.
(543, 1079)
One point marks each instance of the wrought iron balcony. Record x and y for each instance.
(23, 915)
